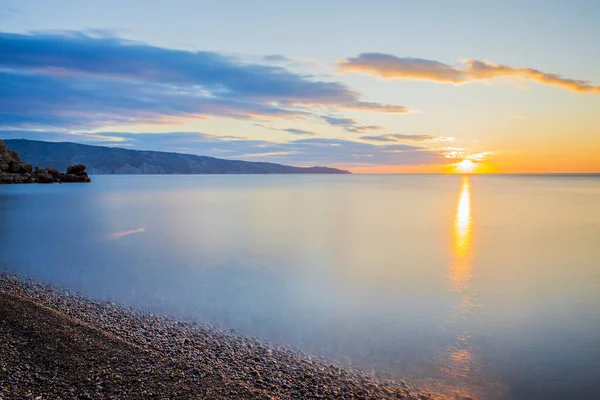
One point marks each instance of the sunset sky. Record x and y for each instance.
(372, 87)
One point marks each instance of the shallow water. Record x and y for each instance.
(483, 286)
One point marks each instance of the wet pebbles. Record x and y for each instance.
(58, 344)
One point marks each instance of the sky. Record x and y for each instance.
(371, 87)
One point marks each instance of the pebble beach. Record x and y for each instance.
(57, 344)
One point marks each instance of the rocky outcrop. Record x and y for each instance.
(57, 176)
(75, 169)
(76, 178)
(20, 168)
(13, 170)
(76, 173)
(42, 176)
(6, 177)
(7, 157)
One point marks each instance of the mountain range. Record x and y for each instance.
(114, 160)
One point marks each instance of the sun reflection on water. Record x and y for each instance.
(461, 265)
(462, 224)
(459, 365)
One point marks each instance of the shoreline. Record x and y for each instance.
(59, 344)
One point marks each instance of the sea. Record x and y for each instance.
(481, 287)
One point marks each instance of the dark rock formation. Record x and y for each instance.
(7, 157)
(42, 176)
(75, 169)
(7, 177)
(13, 170)
(75, 178)
(56, 176)
(20, 168)
(76, 173)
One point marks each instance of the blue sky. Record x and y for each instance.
(381, 86)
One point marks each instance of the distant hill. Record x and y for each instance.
(114, 160)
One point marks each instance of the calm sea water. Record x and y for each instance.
(484, 286)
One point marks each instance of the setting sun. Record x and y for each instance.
(466, 166)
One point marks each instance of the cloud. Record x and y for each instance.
(39, 100)
(350, 124)
(377, 107)
(295, 131)
(79, 79)
(388, 66)
(397, 137)
(457, 153)
(478, 157)
(487, 70)
(304, 152)
(392, 67)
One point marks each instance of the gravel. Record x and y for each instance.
(55, 343)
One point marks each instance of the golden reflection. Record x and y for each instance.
(462, 222)
(459, 366)
(460, 268)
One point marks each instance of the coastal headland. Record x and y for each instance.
(15, 170)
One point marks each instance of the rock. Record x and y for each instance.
(76, 173)
(13, 170)
(20, 168)
(67, 178)
(42, 176)
(7, 156)
(76, 169)
(6, 177)
(55, 174)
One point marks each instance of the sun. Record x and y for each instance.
(466, 166)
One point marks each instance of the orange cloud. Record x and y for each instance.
(388, 66)
(376, 107)
(398, 137)
(487, 70)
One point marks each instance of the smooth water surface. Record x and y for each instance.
(484, 287)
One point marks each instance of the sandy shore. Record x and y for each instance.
(58, 344)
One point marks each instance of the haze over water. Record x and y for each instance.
(481, 286)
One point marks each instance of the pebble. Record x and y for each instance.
(226, 356)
